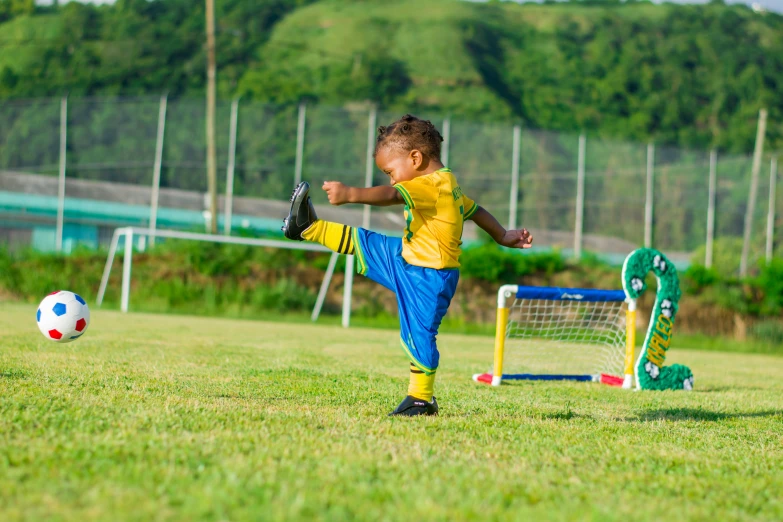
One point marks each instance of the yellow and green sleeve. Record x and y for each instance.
(472, 207)
(406, 196)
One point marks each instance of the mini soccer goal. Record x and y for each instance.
(563, 334)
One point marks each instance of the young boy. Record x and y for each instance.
(421, 268)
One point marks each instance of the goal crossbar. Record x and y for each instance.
(553, 333)
(130, 232)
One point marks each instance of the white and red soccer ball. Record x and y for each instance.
(63, 316)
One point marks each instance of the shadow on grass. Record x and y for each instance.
(693, 414)
(713, 389)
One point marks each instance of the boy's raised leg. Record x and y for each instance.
(333, 236)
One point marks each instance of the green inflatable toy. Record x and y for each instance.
(651, 374)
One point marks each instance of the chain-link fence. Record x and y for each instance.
(30, 133)
(73, 169)
(548, 185)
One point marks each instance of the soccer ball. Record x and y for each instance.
(63, 316)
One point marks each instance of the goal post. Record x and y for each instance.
(129, 233)
(630, 343)
(550, 333)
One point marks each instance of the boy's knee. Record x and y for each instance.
(423, 355)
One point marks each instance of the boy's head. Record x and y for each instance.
(408, 148)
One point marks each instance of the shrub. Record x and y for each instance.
(768, 331)
(697, 277)
(284, 296)
(726, 254)
(769, 283)
(495, 264)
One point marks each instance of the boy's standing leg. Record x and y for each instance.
(423, 296)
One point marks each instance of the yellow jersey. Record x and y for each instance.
(435, 210)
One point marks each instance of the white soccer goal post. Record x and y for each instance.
(563, 334)
(130, 232)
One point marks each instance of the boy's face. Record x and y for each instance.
(400, 166)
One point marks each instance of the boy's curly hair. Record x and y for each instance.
(408, 133)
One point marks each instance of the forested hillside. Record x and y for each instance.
(691, 75)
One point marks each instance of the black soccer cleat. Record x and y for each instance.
(301, 215)
(411, 407)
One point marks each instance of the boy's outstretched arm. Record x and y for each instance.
(507, 238)
(340, 194)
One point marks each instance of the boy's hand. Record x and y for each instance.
(337, 192)
(517, 239)
(507, 238)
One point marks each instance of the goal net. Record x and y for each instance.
(563, 334)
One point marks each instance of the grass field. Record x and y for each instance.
(152, 417)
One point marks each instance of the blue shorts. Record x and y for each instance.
(423, 294)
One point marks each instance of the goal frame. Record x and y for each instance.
(570, 294)
(129, 233)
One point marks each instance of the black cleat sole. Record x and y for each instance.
(301, 214)
(413, 407)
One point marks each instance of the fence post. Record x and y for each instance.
(126, 270)
(444, 150)
(761, 131)
(348, 291)
(514, 196)
(773, 174)
(107, 268)
(158, 166)
(61, 177)
(580, 197)
(319, 302)
(648, 202)
(711, 208)
(232, 155)
(369, 161)
(300, 136)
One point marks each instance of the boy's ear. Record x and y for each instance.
(417, 158)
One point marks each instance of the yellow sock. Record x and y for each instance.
(422, 385)
(333, 236)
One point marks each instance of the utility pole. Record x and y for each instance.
(750, 210)
(211, 160)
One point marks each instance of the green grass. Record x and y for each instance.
(152, 417)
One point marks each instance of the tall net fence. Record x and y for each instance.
(265, 151)
(185, 150)
(335, 148)
(30, 136)
(110, 160)
(615, 191)
(682, 190)
(112, 140)
(29, 163)
(548, 184)
(110, 146)
(483, 153)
